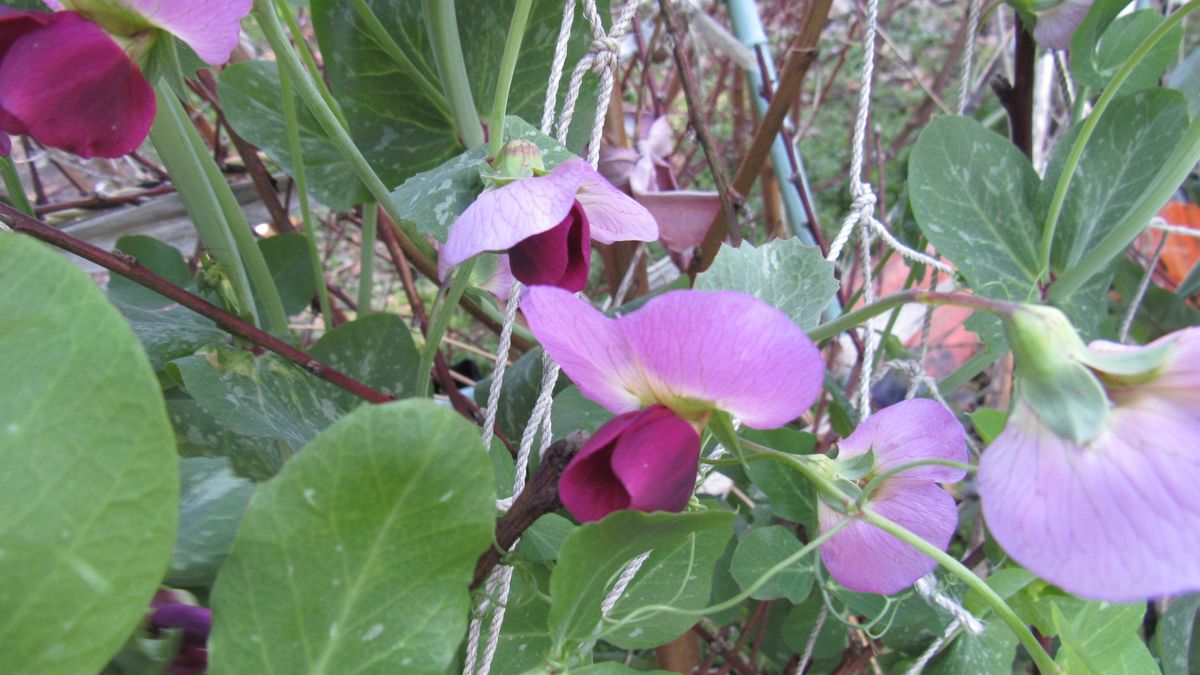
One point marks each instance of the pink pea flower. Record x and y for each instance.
(866, 559)
(70, 79)
(1115, 517)
(1056, 25)
(662, 368)
(546, 225)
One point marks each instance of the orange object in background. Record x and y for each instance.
(1181, 253)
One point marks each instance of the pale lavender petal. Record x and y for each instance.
(210, 28)
(500, 218)
(660, 139)
(1056, 25)
(1116, 520)
(500, 282)
(733, 350)
(1179, 377)
(588, 345)
(866, 559)
(683, 216)
(909, 431)
(616, 164)
(613, 215)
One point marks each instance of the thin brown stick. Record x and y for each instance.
(131, 269)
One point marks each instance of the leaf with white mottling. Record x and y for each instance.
(785, 273)
(212, 500)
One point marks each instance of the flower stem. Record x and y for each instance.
(306, 218)
(12, 183)
(447, 53)
(874, 483)
(851, 319)
(1043, 660)
(439, 320)
(366, 260)
(508, 64)
(310, 62)
(1089, 126)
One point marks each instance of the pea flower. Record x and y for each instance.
(1112, 512)
(70, 79)
(663, 369)
(866, 559)
(546, 224)
(1056, 25)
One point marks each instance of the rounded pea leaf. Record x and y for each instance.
(356, 558)
(88, 475)
(764, 548)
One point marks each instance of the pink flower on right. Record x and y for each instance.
(1115, 517)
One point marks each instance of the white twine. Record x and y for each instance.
(964, 83)
(934, 647)
(811, 644)
(962, 619)
(618, 589)
(1163, 226)
(1140, 294)
(602, 57)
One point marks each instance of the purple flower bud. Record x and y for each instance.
(644, 460)
(68, 84)
(558, 257)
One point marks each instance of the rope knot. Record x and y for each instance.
(604, 52)
(864, 199)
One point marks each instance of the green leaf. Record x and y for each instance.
(681, 577)
(250, 100)
(612, 668)
(1185, 78)
(1117, 44)
(376, 349)
(433, 199)
(357, 557)
(199, 434)
(594, 554)
(1175, 636)
(291, 268)
(572, 412)
(785, 273)
(396, 120)
(525, 637)
(1100, 638)
(991, 652)
(212, 499)
(522, 380)
(972, 195)
(170, 332)
(763, 548)
(260, 396)
(161, 258)
(88, 475)
(1117, 165)
(543, 540)
(799, 625)
(791, 496)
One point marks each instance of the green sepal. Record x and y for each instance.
(720, 425)
(1127, 366)
(854, 468)
(518, 159)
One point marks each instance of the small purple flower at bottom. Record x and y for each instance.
(644, 461)
(1117, 516)
(864, 558)
(172, 611)
(546, 224)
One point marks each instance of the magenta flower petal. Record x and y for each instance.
(70, 86)
(1113, 520)
(911, 431)
(689, 350)
(644, 460)
(1056, 25)
(502, 217)
(210, 28)
(866, 559)
(588, 345)
(733, 350)
(614, 216)
(560, 256)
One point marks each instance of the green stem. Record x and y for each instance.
(871, 486)
(508, 64)
(439, 320)
(1174, 171)
(863, 314)
(447, 53)
(306, 217)
(12, 183)
(366, 261)
(1089, 126)
(310, 62)
(393, 50)
(1044, 661)
(170, 137)
(325, 116)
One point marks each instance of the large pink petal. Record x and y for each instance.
(909, 431)
(588, 345)
(733, 350)
(1115, 520)
(210, 28)
(70, 86)
(500, 218)
(614, 215)
(866, 559)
